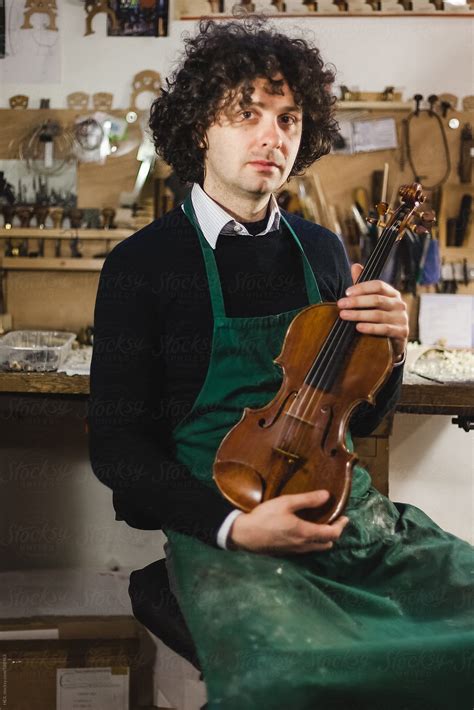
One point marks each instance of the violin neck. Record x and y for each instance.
(379, 257)
(332, 355)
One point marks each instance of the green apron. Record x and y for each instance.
(379, 621)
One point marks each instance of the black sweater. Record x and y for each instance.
(152, 343)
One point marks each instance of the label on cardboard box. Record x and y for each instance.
(92, 689)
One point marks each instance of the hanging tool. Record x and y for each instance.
(457, 227)
(466, 154)
(432, 99)
(449, 285)
(464, 422)
(465, 272)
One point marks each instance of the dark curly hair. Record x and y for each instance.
(227, 56)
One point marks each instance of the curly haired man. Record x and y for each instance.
(190, 315)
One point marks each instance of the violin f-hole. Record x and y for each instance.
(263, 424)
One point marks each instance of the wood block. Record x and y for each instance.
(374, 456)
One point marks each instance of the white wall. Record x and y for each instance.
(432, 467)
(418, 54)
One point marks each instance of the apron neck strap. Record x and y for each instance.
(215, 289)
(312, 288)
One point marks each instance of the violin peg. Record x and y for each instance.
(428, 217)
(382, 211)
(410, 224)
(381, 208)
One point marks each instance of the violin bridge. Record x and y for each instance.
(300, 419)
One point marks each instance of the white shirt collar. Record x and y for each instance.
(214, 220)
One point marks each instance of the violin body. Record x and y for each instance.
(297, 442)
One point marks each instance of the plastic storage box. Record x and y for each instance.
(34, 350)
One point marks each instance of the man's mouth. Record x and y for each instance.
(268, 164)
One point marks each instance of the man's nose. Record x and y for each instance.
(272, 134)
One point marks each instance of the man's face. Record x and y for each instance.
(251, 149)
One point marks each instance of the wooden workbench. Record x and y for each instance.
(418, 396)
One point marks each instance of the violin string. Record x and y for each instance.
(336, 338)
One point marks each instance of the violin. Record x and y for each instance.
(298, 442)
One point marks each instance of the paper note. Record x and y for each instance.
(375, 134)
(33, 55)
(446, 317)
(91, 689)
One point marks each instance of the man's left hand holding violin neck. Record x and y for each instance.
(378, 309)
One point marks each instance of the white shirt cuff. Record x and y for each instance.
(225, 528)
(402, 361)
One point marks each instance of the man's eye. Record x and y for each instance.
(288, 119)
(247, 114)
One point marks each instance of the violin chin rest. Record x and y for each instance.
(239, 483)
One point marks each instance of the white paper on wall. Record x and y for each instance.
(32, 56)
(374, 134)
(365, 135)
(446, 317)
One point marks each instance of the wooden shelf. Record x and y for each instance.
(375, 105)
(25, 263)
(320, 15)
(37, 233)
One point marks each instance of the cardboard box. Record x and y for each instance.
(75, 663)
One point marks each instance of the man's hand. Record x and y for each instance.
(275, 528)
(378, 309)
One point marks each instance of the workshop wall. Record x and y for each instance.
(431, 465)
(415, 54)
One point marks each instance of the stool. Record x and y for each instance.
(156, 607)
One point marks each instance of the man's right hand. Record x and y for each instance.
(275, 528)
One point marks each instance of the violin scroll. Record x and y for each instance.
(412, 195)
